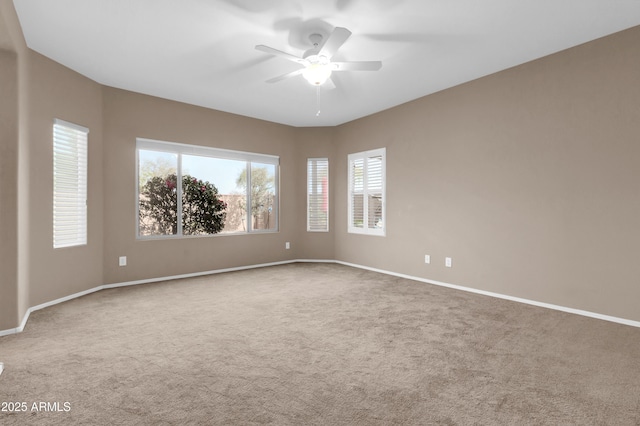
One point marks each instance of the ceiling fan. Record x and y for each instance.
(316, 62)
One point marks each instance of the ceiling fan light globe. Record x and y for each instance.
(317, 74)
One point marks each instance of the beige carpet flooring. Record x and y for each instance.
(316, 344)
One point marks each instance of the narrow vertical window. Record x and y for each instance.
(317, 195)
(69, 184)
(366, 203)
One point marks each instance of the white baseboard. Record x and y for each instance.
(501, 296)
(130, 283)
(195, 274)
(353, 265)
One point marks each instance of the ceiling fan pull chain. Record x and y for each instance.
(318, 101)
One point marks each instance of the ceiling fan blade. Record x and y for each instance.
(402, 37)
(335, 40)
(329, 84)
(285, 76)
(280, 53)
(356, 66)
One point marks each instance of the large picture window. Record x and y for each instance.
(215, 190)
(366, 203)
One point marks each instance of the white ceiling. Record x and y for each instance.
(202, 51)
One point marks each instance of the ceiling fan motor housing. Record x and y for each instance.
(316, 40)
(317, 60)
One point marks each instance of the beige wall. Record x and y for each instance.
(8, 189)
(12, 51)
(314, 143)
(129, 115)
(38, 91)
(57, 92)
(527, 178)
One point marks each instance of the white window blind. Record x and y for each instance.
(366, 203)
(318, 195)
(69, 184)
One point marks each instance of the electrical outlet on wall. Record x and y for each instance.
(447, 262)
(287, 245)
(427, 258)
(122, 261)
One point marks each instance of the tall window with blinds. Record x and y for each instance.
(69, 184)
(318, 195)
(366, 203)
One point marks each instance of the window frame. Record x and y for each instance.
(76, 174)
(203, 151)
(315, 183)
(365, 156)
